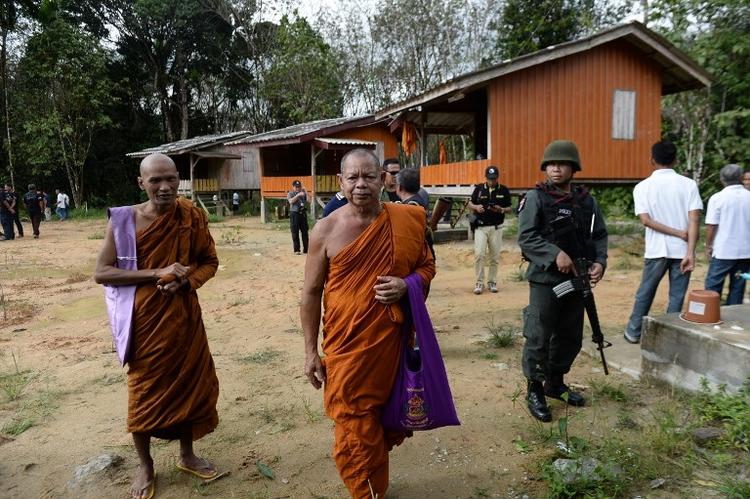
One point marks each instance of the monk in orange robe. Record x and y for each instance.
(172, 383)
(357, 260)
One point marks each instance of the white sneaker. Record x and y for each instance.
(478, 288)
(492, 286)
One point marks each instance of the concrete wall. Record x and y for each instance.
(680, 354)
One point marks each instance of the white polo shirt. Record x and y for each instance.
(730, 210)
(666, 197)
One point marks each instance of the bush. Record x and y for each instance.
(615, 201)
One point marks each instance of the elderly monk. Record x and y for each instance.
(172, 384)
(357, 260)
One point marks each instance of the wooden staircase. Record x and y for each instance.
(211, 207)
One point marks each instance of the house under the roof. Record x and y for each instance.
(311, 153)
(208, 167)
(603, 92)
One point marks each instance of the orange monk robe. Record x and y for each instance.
(171, 377)
(362, 341)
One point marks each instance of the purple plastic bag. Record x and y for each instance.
(120, 299)
(421, 397)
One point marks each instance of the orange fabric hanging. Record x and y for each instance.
(409, 138)
(442, 153)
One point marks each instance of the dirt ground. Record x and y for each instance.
(55, 330)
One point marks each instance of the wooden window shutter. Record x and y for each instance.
(623, 115)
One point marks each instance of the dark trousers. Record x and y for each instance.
(298, 224)
(6, 219)
(553, 328)
(719, 269)
(36, 219)
(17, 220)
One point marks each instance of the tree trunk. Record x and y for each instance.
(183, 107)
(9, 143)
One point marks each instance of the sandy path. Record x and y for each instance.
(57, 330)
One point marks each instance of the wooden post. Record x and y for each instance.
(422, 141)
(263, 210)
(192, 182)
(313, 204)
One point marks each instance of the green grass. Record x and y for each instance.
(624, 227)
(214, 218)
(731, 411)
(501, 335)
(627, 262)
(16, 426)
(89, 214)
(96, 235)
(655, 441)
(261, 357)
(110, 379)
(231, 236)
(518, 274)
(14, 384)
(605, 390)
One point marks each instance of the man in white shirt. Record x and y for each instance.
(669, 206)
(728, 235)
(63, 201)
(235, 202)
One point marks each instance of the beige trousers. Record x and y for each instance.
(484, 237)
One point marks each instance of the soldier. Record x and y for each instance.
(557, 224)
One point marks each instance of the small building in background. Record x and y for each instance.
(208, 167)
(603, 92)
(311, 153)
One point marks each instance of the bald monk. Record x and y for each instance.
(358, 257)
(172, 384)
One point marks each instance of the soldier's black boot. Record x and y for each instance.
(555, 387)
(536, 402)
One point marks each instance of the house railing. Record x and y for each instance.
(278, 187)
(326, 184)
(198, 185)
(464, 173)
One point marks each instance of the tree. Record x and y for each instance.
(711, 127)
(402, 47)
(525, 27)
(62, 91)
(302, 82)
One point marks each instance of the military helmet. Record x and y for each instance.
(562, 150)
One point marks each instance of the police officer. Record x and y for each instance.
(490, 201)
(557, 224)
(297, 199)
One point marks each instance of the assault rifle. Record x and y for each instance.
(581, 283)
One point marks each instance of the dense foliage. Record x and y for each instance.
(84, 82)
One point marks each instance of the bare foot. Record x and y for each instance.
(198, 464)
(143, 482)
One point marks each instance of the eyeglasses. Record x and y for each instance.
(394, 172)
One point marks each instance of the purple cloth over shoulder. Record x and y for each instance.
(121, 299)
(421, 397)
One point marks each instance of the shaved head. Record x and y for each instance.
(155, 159)
(366, 154)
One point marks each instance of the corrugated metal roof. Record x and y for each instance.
(187, 145)
(303, 131)
(346, 142)
(680, 71)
